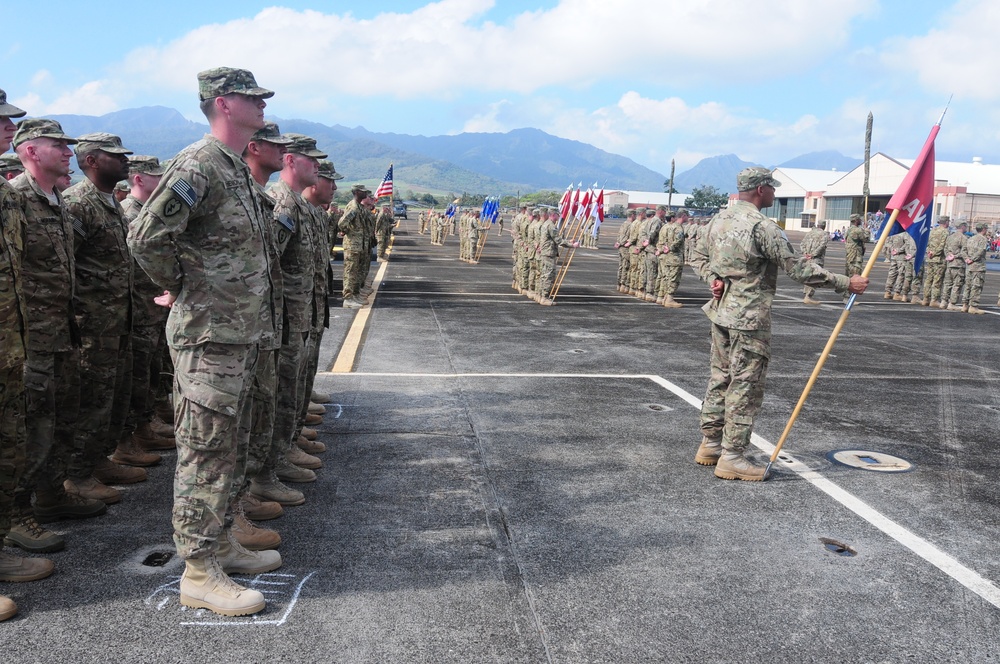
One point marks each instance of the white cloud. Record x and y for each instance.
(93, 98)
(958, 57)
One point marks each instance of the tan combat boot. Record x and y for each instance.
(943, 305)
(926, 302)
(56, 505)
(146, 439)
(267, 486)
(965, 308)
(16, 569)
(251, 536)
(659, 300)
(310, 433)
(546, 302)
(310, 446)
(708, 452)
(809, 300)
(260, 510)
(92, 488)
(649, 297)
(235, 559)
(976, 310)
(161, 428)
(313, 419)
(128, 453)
(316, 409)
(954, 307)
(289, 472)
(205, 586)
(670, 303)
(734, 465)
(887, 296)
(320, 397)
(898, 298)
(303, 460)
(109, 472)
(26, 533)
(8, 609)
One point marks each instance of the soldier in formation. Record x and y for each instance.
(813, 247)
(383, 230)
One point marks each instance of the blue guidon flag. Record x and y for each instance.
(914, 200)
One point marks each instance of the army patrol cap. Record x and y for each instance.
(682, 212)
(650, 212)
(123, 186)
(102, 141)
(358, 189)
(855, 217)
(660, 208)
(821, 223)
(980, 226)
(10, 163)
(753, 177)
(271, 134)
(537, 212)
(9, 110)
(944, 219)
(630, 213)
(226, 80)
(328, 170)
(963, 224)
(33, 128)
(145, 165)
(303, 145)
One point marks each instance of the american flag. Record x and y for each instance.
(385, 189)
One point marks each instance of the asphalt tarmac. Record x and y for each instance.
(506, 482)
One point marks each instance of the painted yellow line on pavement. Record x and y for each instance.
(352, 343)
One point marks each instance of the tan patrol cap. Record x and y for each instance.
(9, 110)
(33, 128)
(227, 80)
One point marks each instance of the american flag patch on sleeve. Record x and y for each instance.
(78, 228)
(185, 192)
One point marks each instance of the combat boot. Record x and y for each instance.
(289, 472)
(887, 296)
(734, 465)
(267, 487)
(310, 446)
(164, 411)
(128, 453)
(8, 609)
(708, 452)
(898, 298)
(670, 303)
(16, 569)
(319, 397)
(145, 439)
(56, 505)
(954, 307)
(251, 536)
(313, 419)
(109, 472)
(809, 300)
(310, 433)
(235, 559)
(205, 586)
(161, 428)
(546, 302)
(659, 300)
(301, 459)
(26, 533)
(649, 297)
(352, 303)
(316, 409)
(260, 510)
(976, 310)
(965, 308)
(926, 302)
(92, 488)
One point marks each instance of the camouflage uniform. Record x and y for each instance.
(934, 264)
(534, 251)
(647, 238)
(637, 266)
(353, 224)
(13, 329)
(670, 247)
(623, 251)
(383, 229)
(744, 250)
(975, 270)
(321, 321)
(854, 246)
(954, 278)
(813, 246)
(201, 237)
(296, 242)
(103, 304)
(52, 363)
(898, 247)
(549, 241)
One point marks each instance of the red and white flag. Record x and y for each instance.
(385, 189)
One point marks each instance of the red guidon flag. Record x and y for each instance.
(385, 189)
(915, 199)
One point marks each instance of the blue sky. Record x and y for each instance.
(651, 81)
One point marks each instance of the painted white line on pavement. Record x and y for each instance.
(352, 343)
(918, 545)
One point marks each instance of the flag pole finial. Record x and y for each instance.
(941, 119)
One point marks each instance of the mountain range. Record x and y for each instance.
(521, 160)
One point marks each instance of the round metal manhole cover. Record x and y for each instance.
(865, 460)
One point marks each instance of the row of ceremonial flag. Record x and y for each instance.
(581, 205)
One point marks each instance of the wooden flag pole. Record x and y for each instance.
(481, 244)
(872, 259)
(564, 268)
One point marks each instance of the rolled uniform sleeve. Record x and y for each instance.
(774, 245)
